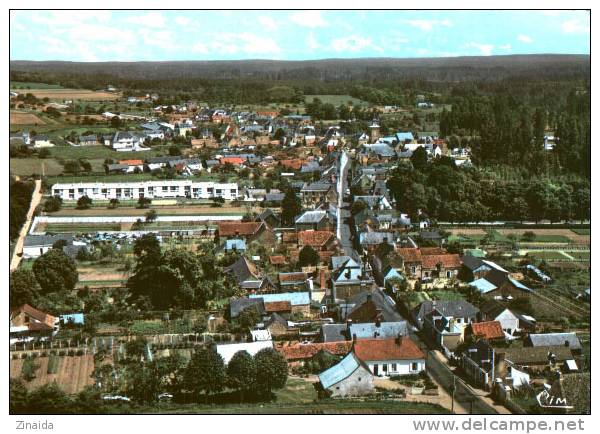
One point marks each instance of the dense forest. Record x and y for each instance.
(20, 196)
(450, 194)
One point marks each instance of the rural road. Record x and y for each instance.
(36, 198)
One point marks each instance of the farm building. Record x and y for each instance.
(350, 376)
(150, 189)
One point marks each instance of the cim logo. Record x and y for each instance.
(546, 400)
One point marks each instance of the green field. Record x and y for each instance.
(336, 100)
(582, 256)
(33, 166)
(548, 256)
(346, 406)
(30, 85)
(582, 231)
(89, 152)
(58, 228)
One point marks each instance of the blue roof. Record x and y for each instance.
(295, 298)
(73, 318)
(235, 244)
(483, 285)
(390, 329)
(340, 371)
(519, 284)
(392, 274)
(401, 137)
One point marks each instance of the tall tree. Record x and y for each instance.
(290, 208)
(241, 372)
(23, 287)
(55, 271)
(271, 370)
(205, 373)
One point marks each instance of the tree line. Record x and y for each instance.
(448, 193)
(20, 193)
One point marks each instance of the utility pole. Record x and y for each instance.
(453, 389)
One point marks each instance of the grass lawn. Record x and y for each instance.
(101, 151)
(582, 231)
(583, 256)
(33, 166)
(82, 227)
(30, 85)
(548, 255)
(446, 295)
(548, 239)
(346, 406)
(296, 391)
(336, 100)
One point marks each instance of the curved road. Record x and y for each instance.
(36, 198)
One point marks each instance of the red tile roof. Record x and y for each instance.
(227, 229)
(387, 349)
(45, 321)
(232, 160)
(290, 237)
(307, 351)
(314, 238)
(426, 251)
(132, 162)
(294, 164)
(277, 259)
(447, 261)
(292, 277)
(409, 255)
(488, 329)
(278, 306)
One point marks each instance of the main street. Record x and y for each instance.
(344, 233)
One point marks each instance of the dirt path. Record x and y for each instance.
(36, 198)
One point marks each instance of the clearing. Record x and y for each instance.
(336, 100)
(23, 118)
(74, 94)
(34, 166)
(73, 373)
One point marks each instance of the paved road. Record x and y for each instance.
(343, 231)
(36, 197)
(464, 395)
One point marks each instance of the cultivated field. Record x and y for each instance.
(547, 234)
(74, 94)
(73, 373)
(21, 118)
(33, 166)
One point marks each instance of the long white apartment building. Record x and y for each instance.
(164, 189)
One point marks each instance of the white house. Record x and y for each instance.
(35, 246)
(150, 189)
(41, 142)
(391, 356)
(126, 141)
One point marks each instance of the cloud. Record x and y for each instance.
(310, 19)
(524, 38)
(79, 50)
(249, 43)
(267, 23)
(484, 49)
(577, 26)
(427, 25)
(505, 47)
(183, 21)
(312, 43)
(158, 38)
(200, 47)
(353, 43)
(151, 19)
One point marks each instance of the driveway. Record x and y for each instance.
(36, 198)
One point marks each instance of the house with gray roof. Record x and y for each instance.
(36, 245)
(457, 309)
(373, 330)
(349, 377)
(569, 340)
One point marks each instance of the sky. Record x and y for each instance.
(92, 36)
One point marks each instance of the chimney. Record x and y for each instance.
(369, 297)
(567, 344)
(348, 326)
(378, 321)
(322, 280)
(399, 339)
(354, 337)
